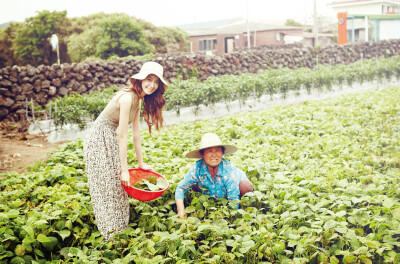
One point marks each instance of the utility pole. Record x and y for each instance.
(315, 28)
(247, 25)
(166, 36)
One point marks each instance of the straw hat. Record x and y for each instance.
(150, 67)
(210, 140)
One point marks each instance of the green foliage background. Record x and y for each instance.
(31, 43)
(84, 37)
(120, 37)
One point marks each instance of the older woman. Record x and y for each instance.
(212, 174)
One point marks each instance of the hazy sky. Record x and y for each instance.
(170, 12)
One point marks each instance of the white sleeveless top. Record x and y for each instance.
(111, 111)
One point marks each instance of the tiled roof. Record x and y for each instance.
(237, 29)
(210, 24)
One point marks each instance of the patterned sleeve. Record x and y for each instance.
(187, 183)
(232, 188)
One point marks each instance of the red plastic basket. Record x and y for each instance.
(136, 175)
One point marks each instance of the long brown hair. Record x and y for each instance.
(153, 104)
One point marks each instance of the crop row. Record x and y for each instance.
(278, 81)
(77, 109)
(326, 178)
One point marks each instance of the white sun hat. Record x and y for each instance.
(210, 140)
(150, 67)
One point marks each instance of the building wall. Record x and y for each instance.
(270, 37)
(289, 39)
(389, 29)
(359, 29)
(240, 40)
(265, 38)
(370, 9)
(373, 9)
(195, 41)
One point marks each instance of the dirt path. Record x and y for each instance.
(19, 150)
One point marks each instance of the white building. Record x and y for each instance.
(368, 20)
(370, 7)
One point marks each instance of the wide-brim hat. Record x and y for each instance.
(150, 67)
(210, 140)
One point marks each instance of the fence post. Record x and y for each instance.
(55, 112)
(33, 111)
(362, 56)
(26, 109)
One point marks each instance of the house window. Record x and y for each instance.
(207, 44)
(279, 36)
(384, 9)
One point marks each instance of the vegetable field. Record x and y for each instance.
(326, 175)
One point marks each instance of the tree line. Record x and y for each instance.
(98, 36)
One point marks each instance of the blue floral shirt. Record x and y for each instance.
(224, 185)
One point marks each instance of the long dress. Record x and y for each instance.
(103, 168)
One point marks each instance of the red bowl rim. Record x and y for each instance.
(162, 190)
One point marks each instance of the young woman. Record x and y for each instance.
(105, 150)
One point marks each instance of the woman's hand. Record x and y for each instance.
(182, 214)
(180, 207)
(125, 178)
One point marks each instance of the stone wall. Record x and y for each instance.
(21, 84)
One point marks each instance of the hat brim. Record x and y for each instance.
(143, 75)
(229, 149)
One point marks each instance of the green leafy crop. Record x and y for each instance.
(151, 184)
(326, 176)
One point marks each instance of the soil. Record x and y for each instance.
(19, 150)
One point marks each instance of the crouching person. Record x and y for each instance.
(212, 174)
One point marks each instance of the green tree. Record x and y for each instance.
(292, 23)
(119, 36)
(32, 43)
(86, 34)
(81, 24)
(167, 39)
(7, 35)
(82, 46)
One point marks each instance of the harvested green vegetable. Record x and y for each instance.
(151, 184)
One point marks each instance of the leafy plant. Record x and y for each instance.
(326, 177)
(151, 184)
(187, 71)
(78, 109)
